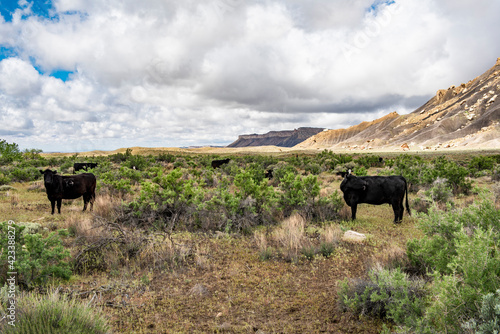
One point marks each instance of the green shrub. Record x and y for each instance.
(368, 161)
(137, 162)
(281, 169)
(9, 152)
(313, 168)
(412, 167)
(326, 248)
(166, 157)
(360, 171)
(488, 321)
(297, 192)
(119, 182)
(460, 251)
(479, 164)
(27, 174)
(53, 313)
(266, 253)
(309, 252)
(475, 272)
(37, 258)
(453, 173)
(435, 252)
(388, 294)
(440, 192)
(4, 179)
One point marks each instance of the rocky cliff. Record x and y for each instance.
(464, 116)
(276, 138)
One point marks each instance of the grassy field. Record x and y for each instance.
(221, 284)
(261, 281)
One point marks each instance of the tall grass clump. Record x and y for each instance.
(290, 235)
(53, 313)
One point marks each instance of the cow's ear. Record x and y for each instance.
(55, 172)
(41, 171)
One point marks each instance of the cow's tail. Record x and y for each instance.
(407, 205)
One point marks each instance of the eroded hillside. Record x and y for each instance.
(464, 116)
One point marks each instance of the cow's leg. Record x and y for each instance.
(59, 202)
(397, 210)
(354, 207)
(85, 201)
(53, 204)
(92, 200)
(401, 211)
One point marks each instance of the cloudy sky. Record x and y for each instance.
(78, 75)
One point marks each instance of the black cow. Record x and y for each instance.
(60, 187)
(218, 163)
(268, 174)
(376, 190)
(77, 166)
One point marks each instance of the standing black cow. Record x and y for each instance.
(376, 190)
(69, 187)
(218, 163)
(77, 166)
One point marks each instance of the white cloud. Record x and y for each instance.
(172, 73)
(18, 78)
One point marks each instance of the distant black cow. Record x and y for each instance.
(268, 174)
(376, 190)
(60, 187)
(77, 166)
(218, 163)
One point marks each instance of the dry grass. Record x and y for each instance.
(290, 235)
(332, 234)
(157, 253)
(105, 206)
(389, 258)
(13, 199)
(260, 239)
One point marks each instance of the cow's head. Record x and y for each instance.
(352, 187)
(48, 176)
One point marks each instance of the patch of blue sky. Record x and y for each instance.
(61, 74)
(7, 8)
(41, 8)
(7, 52)
(378, 3)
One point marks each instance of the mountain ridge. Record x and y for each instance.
(464, 116)
(285, 138)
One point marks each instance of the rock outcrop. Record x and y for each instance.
(276, 138)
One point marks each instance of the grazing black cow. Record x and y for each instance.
(77, 166)
(268, 174)
(376, 190)
(60, 187)
(218, 163)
